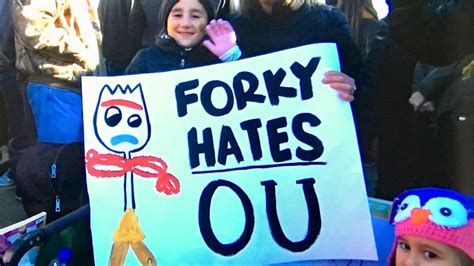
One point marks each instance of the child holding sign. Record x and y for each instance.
(433, 227)
(181, 43)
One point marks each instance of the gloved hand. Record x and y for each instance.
(222, 38)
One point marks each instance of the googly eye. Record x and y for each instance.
(134, 121)
(112, 116)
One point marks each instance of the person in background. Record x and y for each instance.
(440, 33)
(397, 155)
(56, 44)
(449, 89)
(13, 114)
(364, 22)
(181, 44)
(424, 130)
(116, 43)
(434, 32)
(266, 26)
(144, 24)
(365, 25)
(433, 226)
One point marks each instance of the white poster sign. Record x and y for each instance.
(246, 163)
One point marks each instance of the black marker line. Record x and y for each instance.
(257, 167)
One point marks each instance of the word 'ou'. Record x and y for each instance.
(314, 218)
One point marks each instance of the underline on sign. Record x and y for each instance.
(244, 168)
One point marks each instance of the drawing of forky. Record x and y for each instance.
(122, 125)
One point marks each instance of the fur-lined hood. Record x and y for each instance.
(56, 38)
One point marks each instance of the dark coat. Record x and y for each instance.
(262, 33)
(7, 45)
(145, 22)
(456, 125)
(167, 55)
(259, 33)
(397, 157)
(453, 89)
(116, 44)
(435, 32)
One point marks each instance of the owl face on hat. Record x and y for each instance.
(442, 207)
(441, 215)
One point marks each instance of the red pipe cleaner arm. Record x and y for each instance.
(94, 159)
(144, 166)
(166, 182)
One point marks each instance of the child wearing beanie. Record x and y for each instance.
(183, 43)
(433, 226)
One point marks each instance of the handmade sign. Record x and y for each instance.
(246, 163)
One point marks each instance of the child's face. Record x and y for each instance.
(417, 251)
(187, 22)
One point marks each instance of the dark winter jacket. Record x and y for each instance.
(262, 33)
(7, 44)
(436, 32)
(431, 81)
(451, 87)
(167, 55)
(145, 22)
(259, 33)
(116, 44)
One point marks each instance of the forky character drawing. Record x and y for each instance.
(122, 125)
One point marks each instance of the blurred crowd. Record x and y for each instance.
(413, 108)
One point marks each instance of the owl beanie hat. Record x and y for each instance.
(442, 215)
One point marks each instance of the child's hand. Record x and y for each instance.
(342, 83)
(222, 37)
